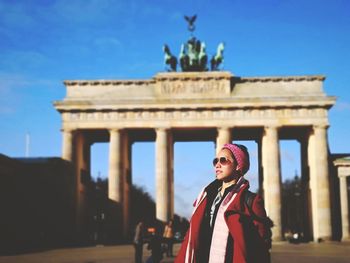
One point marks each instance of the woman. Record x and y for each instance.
(223, 228)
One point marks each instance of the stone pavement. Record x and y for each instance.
(282, 252)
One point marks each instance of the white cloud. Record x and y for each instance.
(11, 81)
(187, 190)
(287, 155)
(342, 106)
(253, 181)
(184, 198)
(9, 97)
(21, 61)
(82, 11)
(12, 95)
(6, 110)
(108, 43)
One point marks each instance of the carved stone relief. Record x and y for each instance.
(194, 114)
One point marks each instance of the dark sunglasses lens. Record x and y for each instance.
(224, 160)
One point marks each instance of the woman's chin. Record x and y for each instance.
(218, 176)
(221, 177)
(226, 179)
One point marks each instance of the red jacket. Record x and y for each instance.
(247, 231)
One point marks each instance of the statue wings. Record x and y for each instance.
(191, 19)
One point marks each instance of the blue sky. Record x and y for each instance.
(43, 43)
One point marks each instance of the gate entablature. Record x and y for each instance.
(179, 99)
(193, 85)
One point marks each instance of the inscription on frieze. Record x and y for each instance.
(199, 88)
(192, 87)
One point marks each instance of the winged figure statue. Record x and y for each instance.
(190, 20)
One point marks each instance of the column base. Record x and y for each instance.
(277, 239)
(323, 239)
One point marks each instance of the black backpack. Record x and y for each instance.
(255, 252)
(248, 200)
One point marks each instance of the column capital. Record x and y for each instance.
(68, 130)
(271, 130)
(343, 176)
(162, 129)
(112, 130)
(224, 127)
(272, 127)
(320, 126)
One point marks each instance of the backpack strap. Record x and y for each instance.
(248, 200)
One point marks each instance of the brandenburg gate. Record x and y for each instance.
(201, 106)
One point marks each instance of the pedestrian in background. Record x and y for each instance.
(168, 237)
(138, 241)
(155, 245)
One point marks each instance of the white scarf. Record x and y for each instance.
(221, 231)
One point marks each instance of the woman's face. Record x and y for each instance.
(225, 168)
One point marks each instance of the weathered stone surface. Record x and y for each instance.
(182, 99)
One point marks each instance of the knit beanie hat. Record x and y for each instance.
(241, 155)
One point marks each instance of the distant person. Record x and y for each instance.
(155, 245)
(168, 237)
(138, 242)
(224, 228)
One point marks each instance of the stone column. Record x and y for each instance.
(163, 178)
(82, 154)
(319, 183)
(272, 179)
(344, 207)
(305, 189)
(260, 168)
(224, 136)
(67, 145)
(126, 181)
(82, 171)
(171, 210)
(114, 176)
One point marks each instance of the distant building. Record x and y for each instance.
(37, 203)
(39, 209)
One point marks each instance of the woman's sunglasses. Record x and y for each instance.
(222, 161)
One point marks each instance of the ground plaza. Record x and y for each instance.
(335, 252)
